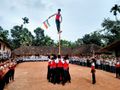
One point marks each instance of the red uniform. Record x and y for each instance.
(66, 73)
(92, 67)
(1, 74)
(60, 64)
(12, 67)
(53, 64)
(58, 16)
(117, 69)
(65, 65)
(117, 65)
(93, 73)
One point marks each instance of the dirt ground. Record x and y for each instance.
(32, 76)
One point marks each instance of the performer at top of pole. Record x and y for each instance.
(58, 20)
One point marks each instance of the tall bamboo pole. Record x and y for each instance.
(59, 44)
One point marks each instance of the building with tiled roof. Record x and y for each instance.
(5, 50)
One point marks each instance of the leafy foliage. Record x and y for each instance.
(3, 34)
(93, 38)
(21, 37)
(115, 9)
(111, 30)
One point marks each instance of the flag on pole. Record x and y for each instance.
(46, 24)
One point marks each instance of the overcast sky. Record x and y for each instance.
(79, 16)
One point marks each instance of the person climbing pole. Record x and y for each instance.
(58, 19)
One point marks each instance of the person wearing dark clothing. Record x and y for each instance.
(93, 73)
(59, 69)
(88, 63)
(54, 72)
(48, 72)
(117, 69)
(12, 71)
(66, 75)
(1, 79)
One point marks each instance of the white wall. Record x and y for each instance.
(5, 51)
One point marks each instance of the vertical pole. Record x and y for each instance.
(59, 44)
(93, 53)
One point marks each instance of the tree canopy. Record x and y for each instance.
(21, 36)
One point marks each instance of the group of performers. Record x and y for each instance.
(6, 73)
(58, 69)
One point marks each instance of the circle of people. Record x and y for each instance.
(58, 69)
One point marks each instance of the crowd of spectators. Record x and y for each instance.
(106, 64)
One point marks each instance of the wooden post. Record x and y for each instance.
(93, 54)
(59, 44)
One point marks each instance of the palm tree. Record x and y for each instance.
(25, 21)
(115, 9)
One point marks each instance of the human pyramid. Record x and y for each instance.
(58, 69)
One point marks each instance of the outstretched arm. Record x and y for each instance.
(52, 16)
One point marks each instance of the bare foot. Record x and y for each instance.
(59, 32)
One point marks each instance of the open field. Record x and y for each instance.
(32, 76)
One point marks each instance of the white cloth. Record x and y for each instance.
(49, 60)
(98, 62)
(56, 61)
(118, 63)
(67, 61)
(93, 64)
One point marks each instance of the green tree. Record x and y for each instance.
(15, 34)
(111, 30)
(79, 42)
(21, 37)
(48, 41)
(39, 37)
(115, 9)
(64, 43)
(86, 39)
(3, 34)
(26, 38)
(25, 20)
(39, 33)
(93, 38)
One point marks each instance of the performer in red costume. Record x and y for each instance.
(58, 19)
(93, 72)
